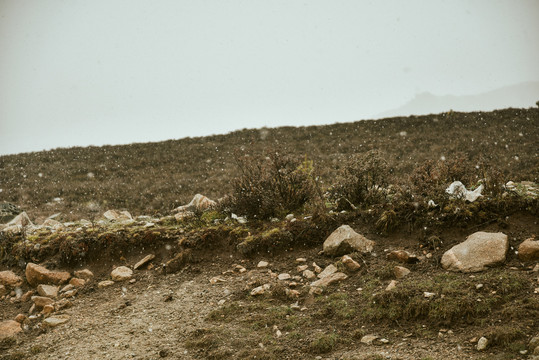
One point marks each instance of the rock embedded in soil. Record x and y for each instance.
(284, 276)
(392, 285)
(260, 290)
(308, 274)
(144, 261)
(121, 273)
(330, 269)
(528, 250)
(41, 301)
(76, 282)
(329, 279)
(479, 251)
(400, 272)
(198, 203)
(345, 240)
(402, 256)
(37, 274)
(50, 291)
(9, 278)
(482, 344)
(115, 215)
(21, 220)
(84, 274)
(56, 320)
(369, 339)
(105, 283)
(9, 328)
(262, 264)
(350, 264)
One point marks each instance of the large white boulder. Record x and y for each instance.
(479, 251)
(345, 240)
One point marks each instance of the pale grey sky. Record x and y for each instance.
(79, 72)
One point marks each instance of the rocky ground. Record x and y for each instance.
(382, 300)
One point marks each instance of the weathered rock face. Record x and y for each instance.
(9, 328)
(9, 278)
(115, 215)
(479, 251)
(345, 240)
(37, 274)
(528, 250)
(121, 273)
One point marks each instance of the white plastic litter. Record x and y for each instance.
(458, 190)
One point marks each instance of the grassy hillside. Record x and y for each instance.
(153, 178)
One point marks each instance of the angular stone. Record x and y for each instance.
(330, 269)
(402, 256)
(67, 288)
(392, 285)
(56, 320)
(22, 220)
(47, 290)
(482, 344)
(284, 276)
(105, 283)
(9, 278)
(528, 250)
(115, 215)
(144, 261)
(198, 203)
(121, 273)
(330, 279)
(350, 264)
(9, 328)
(480, 250)
(345, 240)
(41, 301)
(47, 309)
(27, 296)
(400, 272)
(317, 269)
(37, 274)
(301, 268)
(84, 274)
(308, 274)
(76, 282)
(260, 290)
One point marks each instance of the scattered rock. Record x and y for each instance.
(69, 293)
(56, 320)
(260, 290)
(428, 295)
(317, 269)
(49, 291)
(114, 215)
(392, 285)
(301, 260)
(369, 339)
(47, 309)
(51, 223)
(41, 301)
(330, 269)
(9, 328)
(345, 240)
(21, 220)
(400, 272)
(214, 280)
(84, 274)
(105, 283)
(20, 318)
(27, 296)
(262, 264)
(302, 268)
(284, 276)
(402, 256)
(329, 279)
(482, 344)
(62, 304)
(528, 250)
(66, 288)
(198, 203)
(308, 274)
(480, 250)
(76, 282)
(121, 273)
(37, 274)
(144, 261)
(9, 278)
(350, 264)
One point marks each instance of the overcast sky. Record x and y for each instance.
(94, 72)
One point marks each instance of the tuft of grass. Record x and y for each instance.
(324, 343)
